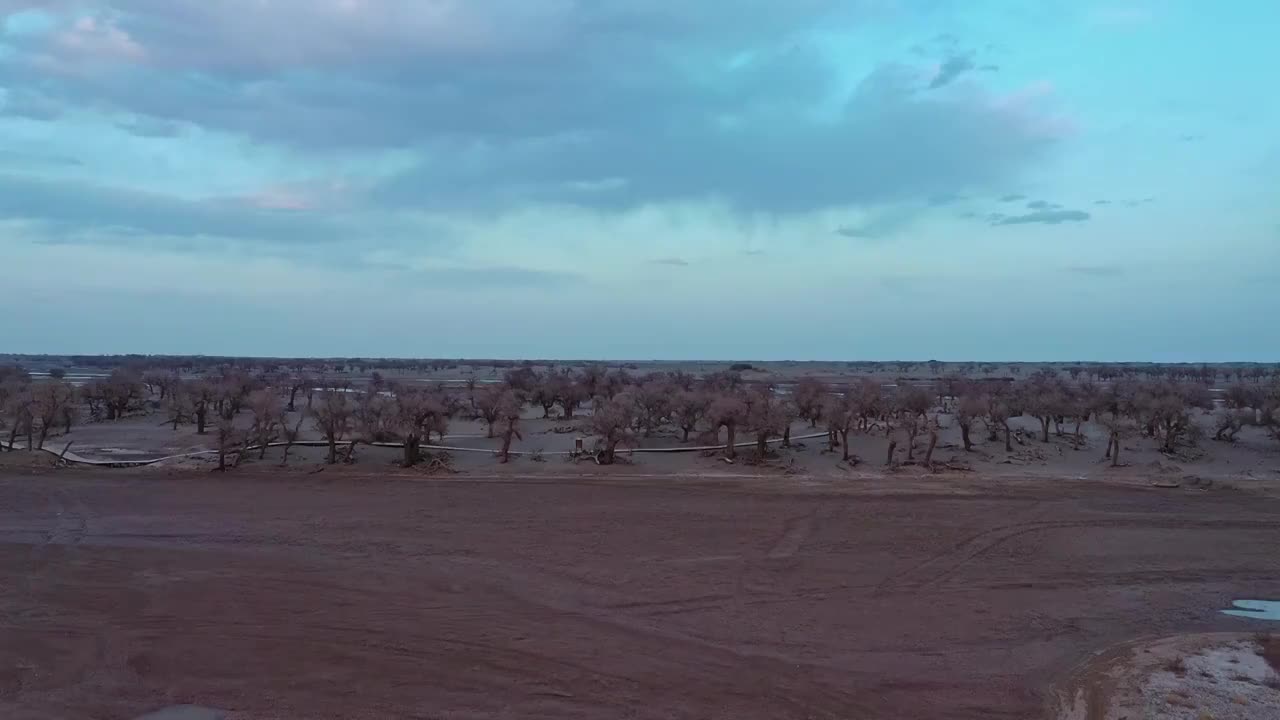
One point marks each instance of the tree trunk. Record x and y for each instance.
(293, 393)
(762, 444)
(729, 450)
(831, 440)
(933, 442)
(1044, 424)
(964, 437)
(411, 456)
(844, 440)
(786, 436)
(44, 433)
(686, 434)
(506, 447)
(490, 430)
(333, 449)
(1115, 454)
(200, 419)
(1008, 445)
(893, 445)
(1078, 437)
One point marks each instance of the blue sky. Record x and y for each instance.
(811, 179)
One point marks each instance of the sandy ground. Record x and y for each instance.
(572, 593)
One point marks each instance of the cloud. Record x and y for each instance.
(1042, 205)
(610, 104)
(1047, 217)
(75, 206)
(151, 127)
(951, 69)
(889, 143)
(675, 261)
(28, 104)
(1014, 197)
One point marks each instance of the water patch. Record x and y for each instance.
(1256, 609)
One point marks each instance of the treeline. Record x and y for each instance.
(620, 409)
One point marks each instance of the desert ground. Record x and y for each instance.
(853, 560)
(576, 592)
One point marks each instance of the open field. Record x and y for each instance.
(569, 593)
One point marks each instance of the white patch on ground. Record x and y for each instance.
(1229, 681)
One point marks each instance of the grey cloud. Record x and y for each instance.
(890, 144)
(945, 199)
(151, 127)
(623, 123)
(29, 105)
(675, 261)
(882, 224)
(854, 232)
(1014, 197)
(951, 69)
(1047, 217)
(74, 206)
(1042, 205)
(1101, 202)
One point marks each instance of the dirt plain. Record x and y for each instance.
(576, 592)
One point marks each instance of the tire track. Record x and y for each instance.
(938, 568)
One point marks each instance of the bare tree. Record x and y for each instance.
(201, 395)
(765, 418)
(290, 436)
(727, 411)
(229, 441)
(418, 413)
(332, 416)
(841, 414)
(653, 400)
(969, 407)
(547, 393)
(179, 406)
(268, 420)
(509, 423)
(1042, 397)
(570, 394)
(1165, 409)
(294, 384)
(50, 402)
(809, 397)
(160, 381)
(612, 421)
(999, 409)
(20, 409)
(489, 405)
(688, 409)
(374, 415)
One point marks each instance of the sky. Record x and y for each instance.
(642, 179)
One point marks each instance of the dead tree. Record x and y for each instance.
(332, 416)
